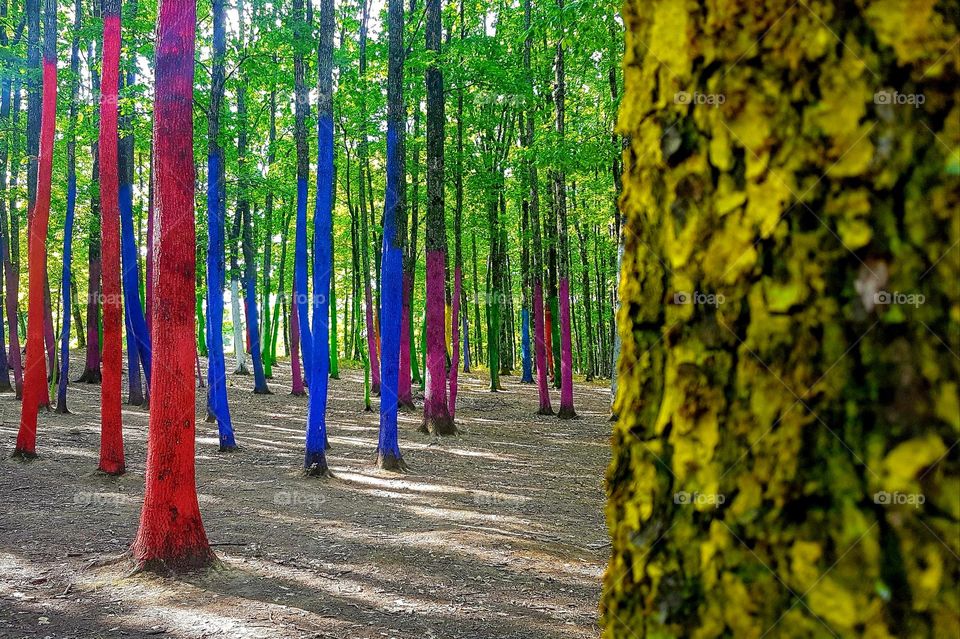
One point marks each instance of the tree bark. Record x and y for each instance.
(171, 534)
(35, 373)
(787, 396)
(436, 416)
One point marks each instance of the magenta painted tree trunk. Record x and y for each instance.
(455, 339)
(297, 387)
(436, 415)
(560, 196)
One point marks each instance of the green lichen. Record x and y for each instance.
(801, 399)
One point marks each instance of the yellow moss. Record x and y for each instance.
(670, 24)
(948, 404)
(765, 203)
(905, 462)
(790, 395)
(834, 603)
(905, 26)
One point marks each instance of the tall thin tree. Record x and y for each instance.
(217, 402)
(315, 462)
(566, 410)
(391, 295)
(35, 374)
(171, 534)
(111, 427)
(66, 275)
(436, 415)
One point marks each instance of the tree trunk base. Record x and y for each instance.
(302, 393)
(567, 412)
(115, 471)
(62, 409)
(392, 463)
(318, 468)
(262, 391)
(210, 418)
(406, 405)
(229, 449)
(199, 559)
(241, 370)
(135, 399)
(442, 426)
(545, 410)
(23, 455)
(90, 376)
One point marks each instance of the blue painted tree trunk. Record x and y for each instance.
(300, 278)
(318, 378)
(391, 263)
(527, 377)
(253, 326)
(391, 301)
(318, 360)
(216, 264)
(65, 290)
(131, 288)
(134, 382)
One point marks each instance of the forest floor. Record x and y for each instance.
(497, 532)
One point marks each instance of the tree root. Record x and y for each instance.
(392, 463)
(442, 425)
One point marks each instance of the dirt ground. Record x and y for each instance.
(497, 532)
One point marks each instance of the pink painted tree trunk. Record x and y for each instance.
(566, 354)
(540, 349)
(297, 387)
(455, 340)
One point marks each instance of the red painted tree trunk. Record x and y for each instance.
(35, 373)
(171, 534)
(111, 425)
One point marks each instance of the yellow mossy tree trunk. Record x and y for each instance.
(784, 460)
